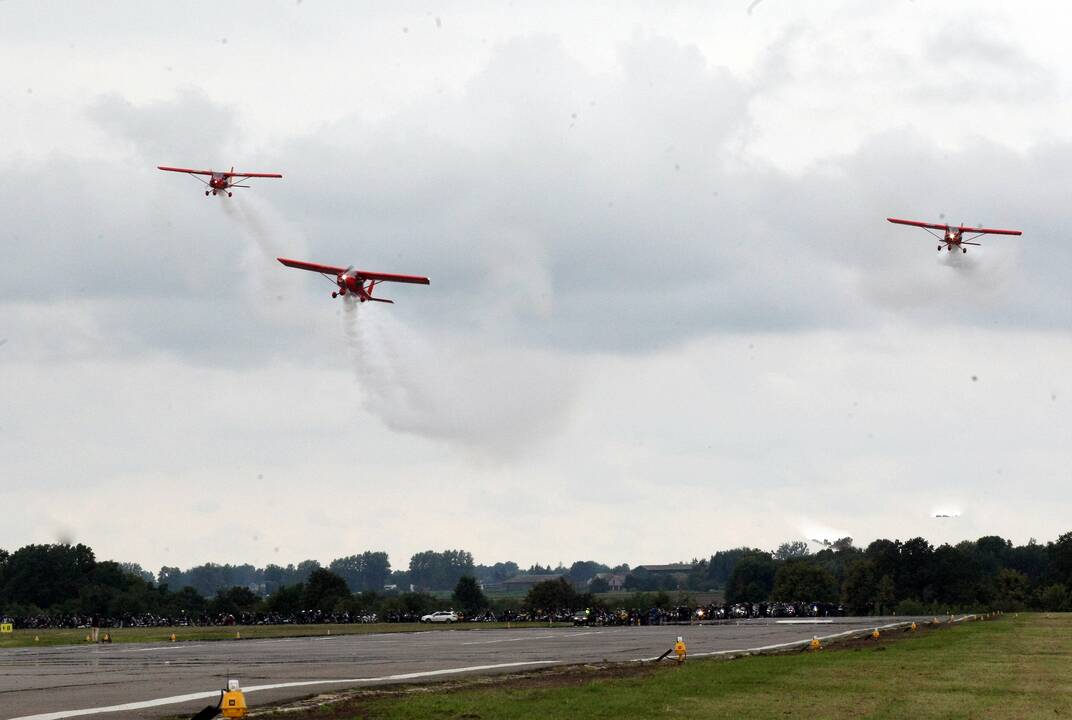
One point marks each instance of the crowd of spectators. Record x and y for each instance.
(582, 616)
(312, 617)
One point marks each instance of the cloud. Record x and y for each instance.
(191, 130)
(559, 207)
(661, 280)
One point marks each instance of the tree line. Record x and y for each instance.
(911, 576)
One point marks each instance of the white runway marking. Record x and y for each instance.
(141, 705)
(532, 637)
(804, 622)
(492, 642)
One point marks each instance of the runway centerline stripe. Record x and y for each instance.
(157, 702)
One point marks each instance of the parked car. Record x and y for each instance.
(441, 616)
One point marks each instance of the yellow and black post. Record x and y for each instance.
(680, 650)
(233, 702)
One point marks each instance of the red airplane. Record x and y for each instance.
(220, 181)
(954, 236)
(356, 282)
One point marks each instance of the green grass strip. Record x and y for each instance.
(1014, 667)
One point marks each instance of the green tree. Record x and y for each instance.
(792, 549)
(234, 600)
(801, 580)
(720, 566)
(45, 575)
(287, 600)
(323, 590)
(138, 571)
(837, 557)
(1012, 588)
(1031, 559)
(492, 574)
(599, 585)
(956, 575)
(582, 571)
(885, 555)
(552, 595)
(991, 552)
(439, 570)
(752, 579)
(915, 570)
(858, 592)
(468, 597)
(1060, 559)
(885, 595)
(368, 571)
(186, 602)
(1055, 598)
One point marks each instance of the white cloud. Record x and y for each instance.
(663, 293)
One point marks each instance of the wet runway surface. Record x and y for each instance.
(176, 678)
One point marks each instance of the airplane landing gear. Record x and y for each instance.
(230, 194)
(964, 250)
(334, 295)
(206, 193)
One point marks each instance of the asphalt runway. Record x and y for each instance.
(153, 680)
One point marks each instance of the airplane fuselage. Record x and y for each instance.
(219, 183)
(351, 285)
(952, 239)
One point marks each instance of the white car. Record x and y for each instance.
(446, 616)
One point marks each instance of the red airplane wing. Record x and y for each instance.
(962, 228)
(916, 223)
(251, 175)
(314, 267)
(388, 277)
(184, 170)
(364, 274)
(990, 231)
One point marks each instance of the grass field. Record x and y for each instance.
(25, 638)
(1013, 667)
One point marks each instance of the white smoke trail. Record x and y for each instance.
(269, 236)
(497, 401)
(984, 275)
(981, 276)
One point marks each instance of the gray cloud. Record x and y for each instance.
(190, 131)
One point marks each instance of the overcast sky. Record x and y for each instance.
(666, 314)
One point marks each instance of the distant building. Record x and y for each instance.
(614, 581)
(524, 583)
(671, 569)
